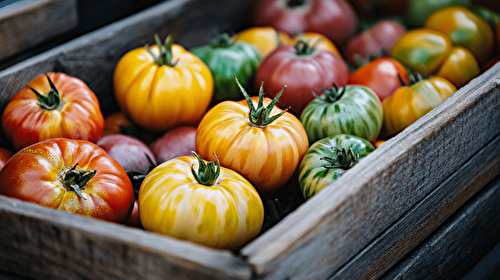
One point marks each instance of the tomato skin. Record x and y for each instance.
(302, 74)
(176, 142)
(267, 155)
(381, 75)
(409, 103)
(357, 112)
(313, 176)
(419, 10)
(78, 116)
(374, 41)
(335, 19)
(264, 38)
(159, 97)
(4, 157)
(465, 29)
(459, 67)
(34, 174)
(225, 215)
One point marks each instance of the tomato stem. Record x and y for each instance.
(77, 179)
(221, 41)
(342, 158)
(52, 100)
(207, 172)
(302, 47)
(331, 95)
(166, 56)
(260, 115)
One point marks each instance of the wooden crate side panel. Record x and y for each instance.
(419, 222)
(25, 24)
(325, 232)
(451, 251)
(43, 243)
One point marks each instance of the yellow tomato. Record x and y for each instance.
(459, 67)
(266, 38)
(224, 211)
(162, 86)
(409, 103)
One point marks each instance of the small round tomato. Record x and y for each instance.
(327, 159)
(162, 85)
(70, 175)
(190, 199)
(459, 67)
(335, 19)
(303, 70)
(464, 28)
(254, 138)
(353, 109)
(265, 38)
(50, 106)
(376, 41)
(381, 75)
(411, 102)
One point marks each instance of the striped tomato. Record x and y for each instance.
(190, 199)
(255, 138)
(353, 109)
(327, 159)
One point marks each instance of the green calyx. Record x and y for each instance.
(342, 158)
(303, 48)
(260, 115)
(52, 100)
(221, 41)
(165, 57)
(413, 78)
(331, 95)
(207, 172)
(77, 179)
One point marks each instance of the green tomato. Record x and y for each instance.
(226, 58)
(419, 10)
(353, 109)
(327, 159)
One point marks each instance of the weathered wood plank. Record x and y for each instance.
(25, 24)
(330, 229)
(451, 251)
(43, 243)
(419, 222)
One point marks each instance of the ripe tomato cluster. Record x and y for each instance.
(205, 136)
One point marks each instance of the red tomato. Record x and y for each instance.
(118, 123)
(376, 41)
(302, 70)
(70, 175)
(335, 19)
(176, 142)
(4, 157)
(51, 106)
(135, 219)
(381, 75)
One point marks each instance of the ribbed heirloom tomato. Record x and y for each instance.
(52, 105)
(162, 85)
(70, 175)
(254, 138)
(190, 199)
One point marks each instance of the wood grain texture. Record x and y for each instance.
(25, 24)
(330, 229)
(427, 214)
(43, 243)
(451, 251)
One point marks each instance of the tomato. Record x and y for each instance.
(327, 159)
(190, 199)
(422, 50)
(317, 41)
(162, 85)
(465, 29)
(491, 17)
(70, 175)
(265, 38)
(302, 69)
(135, 219)
(376, 41)
(176, 142)
(225, 58)
(335, 19)
(381, 75)
(254, 138)
(411, 102)
(118, 123)
(50, 106)
(420, 10)
(4, 156)
(459, 67)
(353, 109)
(377, 8)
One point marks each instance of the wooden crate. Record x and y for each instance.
(389, 207)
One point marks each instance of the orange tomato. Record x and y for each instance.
(265, 38)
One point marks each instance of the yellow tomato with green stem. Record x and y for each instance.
(254, 138)
(162, 85)
(191, 199)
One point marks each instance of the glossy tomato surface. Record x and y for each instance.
(52, 173)
(5, 155)
(69, 110)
